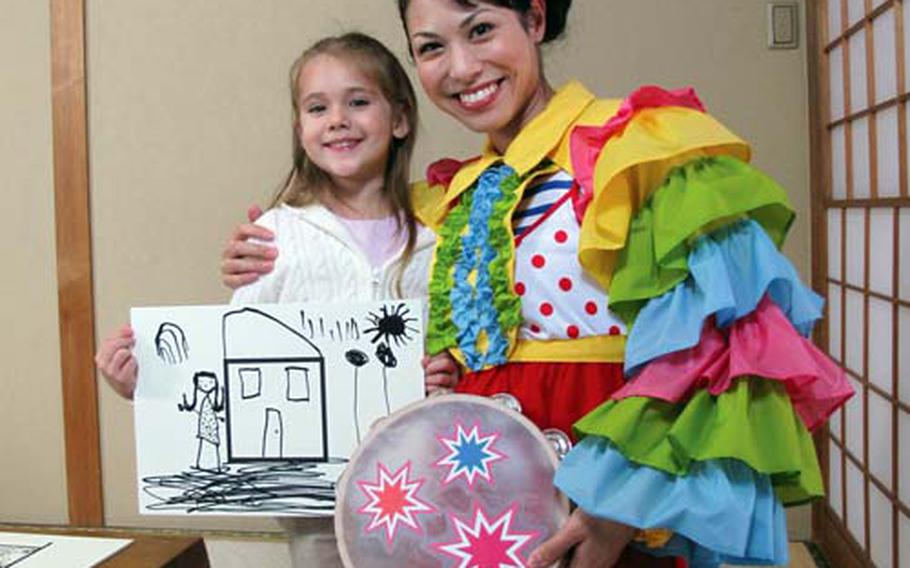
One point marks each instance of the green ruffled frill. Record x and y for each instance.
(506, 301)
(441, 330)
(753, 422)
(696, 198)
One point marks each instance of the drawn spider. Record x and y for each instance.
(393, 326)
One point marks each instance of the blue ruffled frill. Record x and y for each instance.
(730, 271)
(721, 511)
(473, 308)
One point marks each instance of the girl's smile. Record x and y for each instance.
(346, 125)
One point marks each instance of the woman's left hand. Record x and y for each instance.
(599, 542)
(441, 373)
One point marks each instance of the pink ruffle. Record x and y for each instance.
(762, 344)
(442, 171)
(587, 141)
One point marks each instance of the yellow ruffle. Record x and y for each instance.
(633, 164)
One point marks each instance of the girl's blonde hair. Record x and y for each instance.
(306, 179)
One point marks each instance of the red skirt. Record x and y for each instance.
(552, 395)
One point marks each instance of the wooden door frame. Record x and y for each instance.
(76, 310)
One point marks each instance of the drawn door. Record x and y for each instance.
(273, 436)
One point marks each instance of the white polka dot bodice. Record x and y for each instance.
(559, 301)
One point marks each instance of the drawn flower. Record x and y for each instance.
(385, 356)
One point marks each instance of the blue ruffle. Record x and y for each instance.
(473, 309)
(730, 271)
(722, 510)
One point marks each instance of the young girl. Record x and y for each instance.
(626, 283)
(343, 225)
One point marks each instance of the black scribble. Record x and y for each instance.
(170, 344)
(12, 554)
(278, 486)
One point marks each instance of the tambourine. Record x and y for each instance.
(452, 481)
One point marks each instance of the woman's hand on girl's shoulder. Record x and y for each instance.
(242, 261)
(117, 363)
(441, 373)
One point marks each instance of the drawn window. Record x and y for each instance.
(250, 383)
(298, 384)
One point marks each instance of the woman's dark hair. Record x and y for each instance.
(557, 12)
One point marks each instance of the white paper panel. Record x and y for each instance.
(881, 247)
(834, 243)
(881, 514)
(860, 153)
(856, 246)
(856, 9)
(888, 152)
(856, 503)
(835, 321)
(880, 458)
(904, 250)
(854, 418)
(836, 81)
(853, 324)
(885, 55)
(834, 424)
(859, 95)
(881, 337)
(838, 163)
(903, 356)
(903, 537)
(903, 464)
(835, 481)
(834, 19)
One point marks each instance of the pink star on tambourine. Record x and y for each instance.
(485, 542)
(392, 499)
(470, 455)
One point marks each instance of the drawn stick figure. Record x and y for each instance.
(207, 408)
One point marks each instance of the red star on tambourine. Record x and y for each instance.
(392, 499)
(485, 542)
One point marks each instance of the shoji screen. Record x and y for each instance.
(863, 233)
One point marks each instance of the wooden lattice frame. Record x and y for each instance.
(830, 527)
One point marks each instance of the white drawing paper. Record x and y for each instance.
(26, 550)
(255, 410)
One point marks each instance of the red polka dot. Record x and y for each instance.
(538, 261)
(614, 330)
(572, 331)
(535, 328)
(560, 236)
(520, 288)
(591, 308)
(546, 309)
(565, 284)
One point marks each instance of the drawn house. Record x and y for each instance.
(276, 403)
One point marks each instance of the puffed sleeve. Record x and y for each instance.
(710, 436)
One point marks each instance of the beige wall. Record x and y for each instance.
(189, 123)
(32, 477)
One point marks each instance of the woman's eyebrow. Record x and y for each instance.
(472, 16)
(465, 23)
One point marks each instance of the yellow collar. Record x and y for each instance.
(535, 142)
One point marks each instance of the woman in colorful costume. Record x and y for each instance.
(614, 264)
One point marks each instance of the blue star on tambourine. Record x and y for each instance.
(469, 455)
